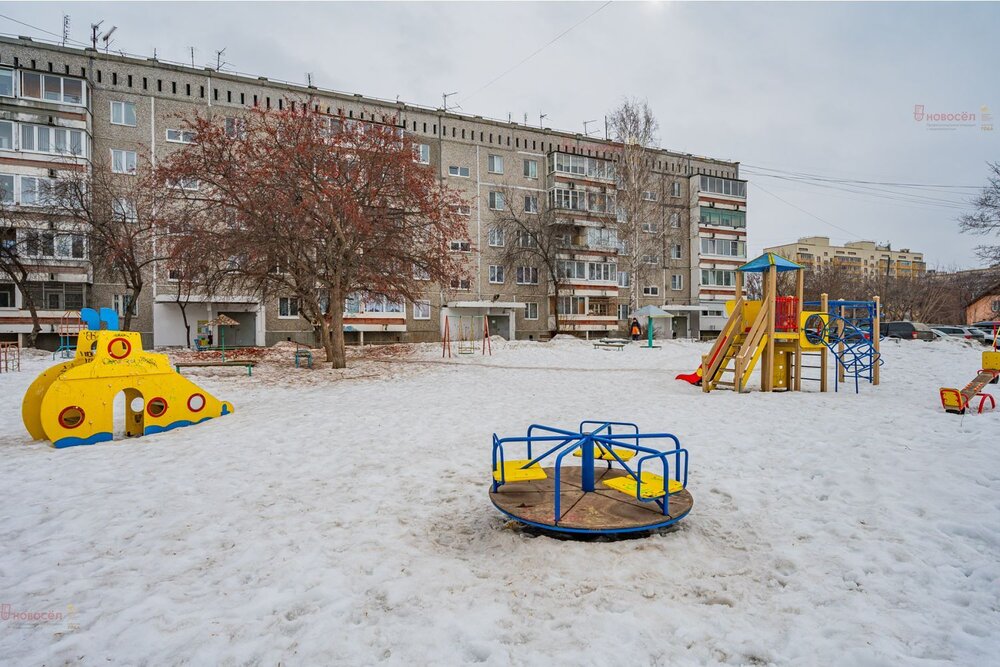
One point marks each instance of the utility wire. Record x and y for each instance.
(875, 192)
(537, 51)
(862, 182)
(47, 32)
(813, 215)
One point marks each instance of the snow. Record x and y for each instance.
(342, 517)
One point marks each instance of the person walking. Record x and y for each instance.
(635, 329)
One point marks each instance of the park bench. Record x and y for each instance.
(609, 345)
(203, 364)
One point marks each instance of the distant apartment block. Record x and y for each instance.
(864, 258)
(62, 107)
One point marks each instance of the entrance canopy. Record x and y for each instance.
(650, 311)
(766, 261)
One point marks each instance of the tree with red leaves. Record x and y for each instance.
(318, 207)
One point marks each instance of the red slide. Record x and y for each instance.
(695, 378)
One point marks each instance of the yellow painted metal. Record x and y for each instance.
(106, 363)
(652, 485)
(803, 339)
(991, 361)
(514, 471)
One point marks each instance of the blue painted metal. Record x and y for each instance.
(582, 531)
(853, 329)
(588, 434)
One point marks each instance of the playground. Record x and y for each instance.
(344, 517)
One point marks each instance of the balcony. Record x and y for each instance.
(581, 201)
(726, 187)
(581, 167)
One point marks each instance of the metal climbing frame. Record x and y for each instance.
(851, 336)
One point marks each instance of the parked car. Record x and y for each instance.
(955, 331)
(987, 328)
(906, 330)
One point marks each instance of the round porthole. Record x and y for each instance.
(814, 329)
(119, 348)
(71, 417)
(156, 407)
(136, 404)
(196, 403)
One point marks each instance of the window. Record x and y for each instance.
(496, 237)
(527, 275)
(124, 209)
(676, 282)
(494, 164)
(496, 274)
(462, 209)
(675, 189)
(650, 227)
(52, 88)
(623, 279)
(7, 188)
(725, 247)
(651, 290)
(235, 128)
(460, 246)
(724, 186)
(378, 303)
(579, 165)
(7, 296)
(6, 82)
(420, 273)
(7, 135)
(531, 203)
(123, 113)
(526, 240)
(648, 196)
(573, 200)
(458, 171)
(531, 310)
(460, 284)
(35, 191)
(602, 237)
(123, 162)
(718, 278)
(173, 275)
(288, 307)
(651, 259)
(180, 136)
(496, 201)
(422, 153)
(622, 311)
(676, 251)
(723, 217)
(675, 220)
(184, 184)
(122, 303)
(602, 272)
(421, 310)
(572, 305)
(531, 169)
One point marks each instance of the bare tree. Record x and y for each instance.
(15, 240)
(648, 225)
(119, 207)
(318, 207)
(985, 221)
(527, 231)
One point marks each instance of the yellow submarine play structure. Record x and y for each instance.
(72, 403)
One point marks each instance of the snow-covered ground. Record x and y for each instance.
(343, 518)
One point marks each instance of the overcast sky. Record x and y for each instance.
(820, 89)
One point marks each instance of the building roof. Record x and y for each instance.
(766, 261)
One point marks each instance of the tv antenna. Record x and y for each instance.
(541, 118)
(444, 101)
(586, 132)
(309, 79)
(219, 62)
(65, 32)
(94, 34)
(192, 55)
(107, 38)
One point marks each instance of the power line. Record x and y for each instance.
(863, 182)
(47, 32)
(874, 192)
(826, 222)
(537, 51)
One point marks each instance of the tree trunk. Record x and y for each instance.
(36, 326)
(133, 301)
(336, 354)
(187, 326)
(555, 311)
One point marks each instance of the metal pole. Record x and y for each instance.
(587, 466)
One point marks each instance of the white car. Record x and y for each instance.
(955, 331)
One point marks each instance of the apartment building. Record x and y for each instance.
(62, 107)
(863, 258)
